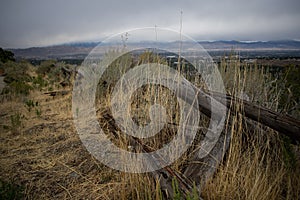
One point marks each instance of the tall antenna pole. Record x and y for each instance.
(180, 42)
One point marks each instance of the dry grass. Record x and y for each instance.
(257, 166)
(46, 157)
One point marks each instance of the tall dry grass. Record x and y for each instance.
(46, 157)
(260, 164)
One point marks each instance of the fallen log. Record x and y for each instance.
(195, 174)
(201, 168)
(284, 124)
(163, 176)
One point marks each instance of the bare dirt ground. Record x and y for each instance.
(44, 155)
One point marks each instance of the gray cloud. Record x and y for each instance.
(42, 22)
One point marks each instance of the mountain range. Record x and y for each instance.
(81, 50)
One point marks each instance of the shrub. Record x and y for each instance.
(19, 87)
(39, 82)
(45, 67)
(16, 122)
(6, 55)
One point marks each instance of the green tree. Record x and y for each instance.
(6, 55)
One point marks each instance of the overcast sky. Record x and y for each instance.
(27, 23)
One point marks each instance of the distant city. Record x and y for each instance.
(76, 52)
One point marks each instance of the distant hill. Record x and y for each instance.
(258, 45)
(80, 50)
(53, 52)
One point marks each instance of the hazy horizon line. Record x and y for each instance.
(152, 41)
